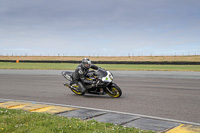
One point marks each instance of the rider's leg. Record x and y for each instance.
(81, 87)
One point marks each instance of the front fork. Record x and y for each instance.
(107, 88)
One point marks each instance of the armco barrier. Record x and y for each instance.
(113, 62)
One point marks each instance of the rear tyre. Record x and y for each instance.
(75, 90)
(114, 91)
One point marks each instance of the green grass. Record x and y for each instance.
(153, 67)
(71, 66)
(48, 66)
(18, 121)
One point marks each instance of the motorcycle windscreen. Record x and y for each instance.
(101, 73)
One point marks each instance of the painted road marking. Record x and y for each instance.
(55, 109)
(34, 107)
(12, 104)
(184, 128)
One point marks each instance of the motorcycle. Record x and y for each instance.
(103, 83)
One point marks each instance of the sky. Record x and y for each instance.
(99, 27)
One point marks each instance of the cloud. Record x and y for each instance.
(104, 26)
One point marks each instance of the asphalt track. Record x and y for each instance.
(172, 95)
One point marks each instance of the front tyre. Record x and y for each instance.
(114, 91)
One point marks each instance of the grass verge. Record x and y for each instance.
(23, 122)
(71, 66)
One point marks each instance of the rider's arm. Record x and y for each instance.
(83, 78)
(94, 67)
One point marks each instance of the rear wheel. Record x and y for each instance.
(114, 91)
(75, 90)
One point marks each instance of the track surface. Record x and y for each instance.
(173, 95)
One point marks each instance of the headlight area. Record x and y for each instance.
(111, 77)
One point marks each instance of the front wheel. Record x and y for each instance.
(114, 91)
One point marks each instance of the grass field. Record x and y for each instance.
(18, 121)
(71, 66)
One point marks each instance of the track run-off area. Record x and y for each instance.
(166, 94)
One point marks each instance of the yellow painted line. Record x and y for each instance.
(17, 106)
(35, 107)
(12, 104)
(55, 109)
(32, 107)
(184, 128)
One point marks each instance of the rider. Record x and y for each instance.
(79, 76)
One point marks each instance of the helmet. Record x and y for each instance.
(86, 63)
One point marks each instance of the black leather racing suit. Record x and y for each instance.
(79, 76)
